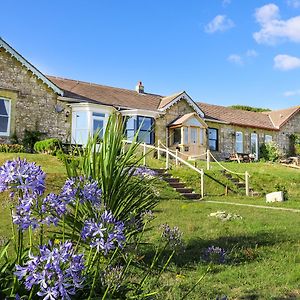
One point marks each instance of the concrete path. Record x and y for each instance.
(252, 205)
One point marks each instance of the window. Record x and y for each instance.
(130, 128)
(213, 139)
(194, 135)
(268, 138)
(185, 135)
(201, 136)
(4, 116)
(81, 127)
(98, 123)
(177, 136)
(146, 133)
(239, 144)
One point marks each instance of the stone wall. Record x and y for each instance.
(161, 123)
(227, 133)
(289, 128)
(32, 102)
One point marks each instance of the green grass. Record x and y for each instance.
(263, 247)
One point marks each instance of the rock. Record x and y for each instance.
(224, 216)
(275, 197)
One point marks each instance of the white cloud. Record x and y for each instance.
(236, 59)
(226, 2)
(293, 3)
(219, 23)
(291, 93)
(273, 28)
(285, 62)
(251, 53)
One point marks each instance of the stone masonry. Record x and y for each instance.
(32, 102)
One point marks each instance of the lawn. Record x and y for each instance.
(262, 249)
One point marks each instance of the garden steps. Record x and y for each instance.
(175, 183)
(240, 185)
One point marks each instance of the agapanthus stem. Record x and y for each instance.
(75, 217)
(30, 238)
(41, 234)
(95, 278)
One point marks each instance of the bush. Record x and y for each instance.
(282, 188)
(30, 138)
(270, 152)
(12, 148)
(49, 146)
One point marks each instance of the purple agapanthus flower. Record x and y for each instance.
(53, 208)
(172, 235)
(57, 271)
(215, 254)
(144, 172)
(83, 189)
(104, 235)
(19, 174)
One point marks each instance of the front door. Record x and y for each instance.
(254, 145)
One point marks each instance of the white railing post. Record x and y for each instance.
(176, 158)
(158, 151)
(208, 159)
(202, 184)
(247, 183)
(144, 152)
(167, 159)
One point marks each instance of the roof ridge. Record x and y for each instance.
(97, 84)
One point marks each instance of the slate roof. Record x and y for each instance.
(236, 116)
(280, 117)
(107, 95)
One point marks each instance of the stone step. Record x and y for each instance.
(184, 190)
(191, 195)
(159, 171)
(240, 184)
(165, 175)
(234, 180)
(171, 179)
(177, 184)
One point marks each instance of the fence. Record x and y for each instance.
(161, 148)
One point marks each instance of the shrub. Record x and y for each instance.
(270, 151)
(282, 188)
(30, 138)
(12, 148)
(49, 146)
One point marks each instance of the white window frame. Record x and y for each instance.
(7, 133)
(239, 143)
(90, 109)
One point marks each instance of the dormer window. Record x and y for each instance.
(4, 116)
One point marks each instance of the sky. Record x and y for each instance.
(222, 52)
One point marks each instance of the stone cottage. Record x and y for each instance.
(72, 110)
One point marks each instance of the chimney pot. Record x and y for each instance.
(140, 88)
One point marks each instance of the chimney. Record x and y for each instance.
(140, 88)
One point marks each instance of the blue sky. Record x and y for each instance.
(219, 51)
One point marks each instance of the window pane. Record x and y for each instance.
(3, 108)
(3, 124)
(130, 123)
(185, 135)
(145, 123)
(194, 137)
(81, 136)
(130, 134)
(95, 114)
(144, 137)
(177, 135)
(201, 135)
(81, 120)
(268, 138)
(239, 148)
(98, 127)
(212, 145)
(212, 133)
